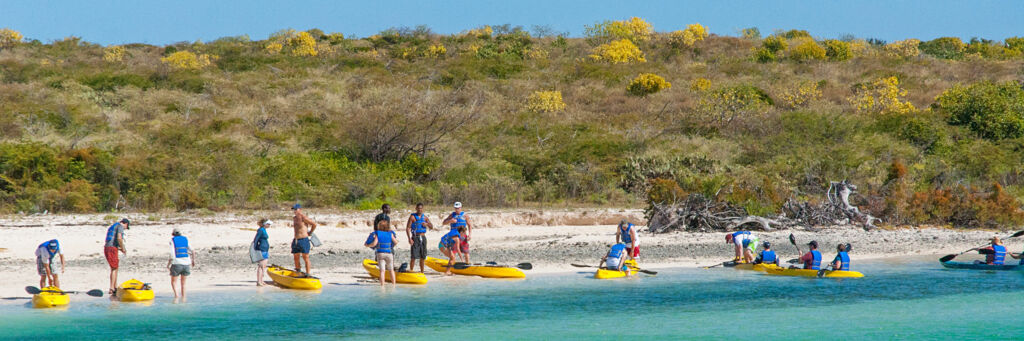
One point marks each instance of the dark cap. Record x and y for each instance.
(126, 222)
(813, 243)
(766, 245)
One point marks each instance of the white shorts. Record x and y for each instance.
(613, 263)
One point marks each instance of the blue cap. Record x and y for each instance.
(296, 206)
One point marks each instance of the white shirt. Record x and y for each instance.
(44, 255)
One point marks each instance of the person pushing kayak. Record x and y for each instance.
(416, 231)
(615, 259)
(995, 254)
(113, 243)
(811, 259)
(262, 241)
(383, 241)
(745, 244)
(449, 246)
(766, 256)
(44, 263)
(301, 244)
(459, 219)
(181, 262)
(626, 234)
(842, 260)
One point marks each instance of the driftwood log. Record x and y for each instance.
(699, 213)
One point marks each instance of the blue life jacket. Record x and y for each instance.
(768, 257)
(180, 246)
(739, 233)
(845, 258)
(110, 234)
(1000, 254)
(449, 238)
(626, 237)
(46, 245)
(816, 262)
(420, 224)
(384, 241)
(460, 220)
(617, 251)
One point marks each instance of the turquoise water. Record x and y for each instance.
(898, 300)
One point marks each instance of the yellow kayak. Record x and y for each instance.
(812, 273)
(292, 280)
(403, 277)
(134, 291)
(609, 274)
(487, 271)
(755, 267)
(50, 297)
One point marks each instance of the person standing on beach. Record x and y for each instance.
(458, 219)
(113, 243)
(263, 245)
(44, 263)
(626, 234)
(383, 241)
(181, 262)
(385, 210)
(301, 245)
(416, 230)
(745, 245)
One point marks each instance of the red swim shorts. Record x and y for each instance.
(111, 253)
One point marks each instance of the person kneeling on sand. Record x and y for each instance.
(383, 240)
(766, 256)
(615, 259)
(842, 260)
(44, 263)
(181, 262)
(745, 244)
(449, 246)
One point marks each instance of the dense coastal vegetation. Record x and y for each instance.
(931, 131)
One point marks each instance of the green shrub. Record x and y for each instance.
(764, 55)
(108, 81)
(992, 110)
(774, 44)
(944, 48)
(838, 50)
(794, 34)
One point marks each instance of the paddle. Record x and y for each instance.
(947, 258)
(649, 272)
(725, 263)
(304, 275)
(94, 292)
(463, 266)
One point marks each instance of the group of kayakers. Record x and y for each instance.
(996, 252)
(454, 244)
(745, 244)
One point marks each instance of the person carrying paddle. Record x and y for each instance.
(766, 256)
(416, 230)
(385, 210)
(181, 262)
(115, 242)
(449, 246)
(383, 241)
(745, 244)
(458, 219)
(262, 241)
(842, 260)
(626, 234)
(301, 244)
(811, 259)
(995, 254)
(615, 259)
(44, 263)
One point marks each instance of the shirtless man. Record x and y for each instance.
(301, 245)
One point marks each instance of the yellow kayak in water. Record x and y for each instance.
(609, 274)
(755, 267)
(403, 277)
(134, 290)
(812, 273)
(50, 297)
(292, 279)
(488, 271)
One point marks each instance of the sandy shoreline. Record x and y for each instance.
(550, 240)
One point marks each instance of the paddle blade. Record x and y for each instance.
(821, 273)
(947, 258)
(95, 293)
(1018, 234)
(792, 239)
(848, 247)
(525, 266)
(793, 261)
(649, 272)
(460, 266)
(581, 265)
(32, 290)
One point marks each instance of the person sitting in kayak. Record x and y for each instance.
(995, 254)
(449, 246)
(383, 241)
(766, 256)
(459, 219)
(626, 234)
(842, 260)
(745, 244)
(614, 260)
(44, 263)
(811, 259)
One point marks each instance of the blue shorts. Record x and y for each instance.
(266, 255)
(301, 246)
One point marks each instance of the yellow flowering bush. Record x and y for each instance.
(536, 53)
(691, 35)
(700, 84)
(903, 48)
(185, 60)
(646, 84)
(838, 50)
(274, 47)
(635, 30)
(805, 48)
(113, 54)
(545, 101)
(618, 52)
(882, 96)
(9, 38)
(859, 47)
(482, 32)
(436, 51)
(800, 95)
(303, 44)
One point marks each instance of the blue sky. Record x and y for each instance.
(162, 22)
